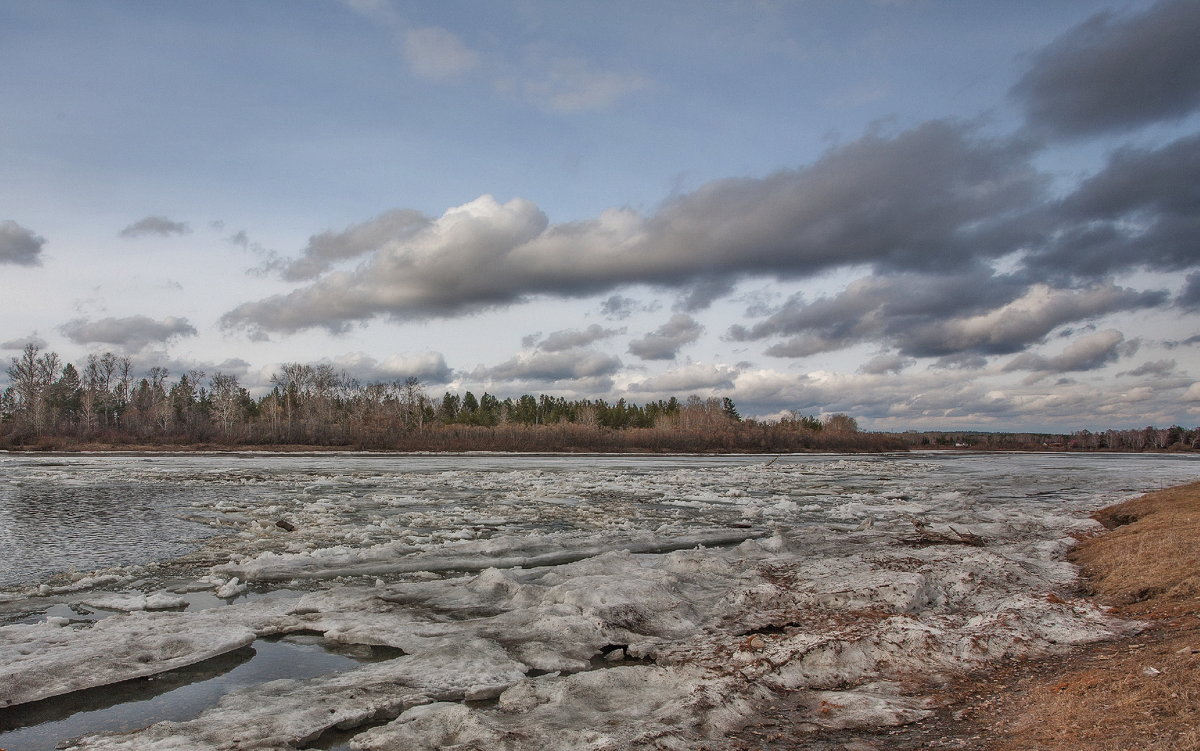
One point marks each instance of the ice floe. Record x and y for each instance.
(136, 601)
(48, 659)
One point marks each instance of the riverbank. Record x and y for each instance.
(549, 439)
(1141, 691)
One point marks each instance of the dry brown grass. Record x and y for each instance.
(1149, 562)
(1137, 694)
(1116, 705)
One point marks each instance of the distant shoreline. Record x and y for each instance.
(215, 448)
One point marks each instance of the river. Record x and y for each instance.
(567, 555)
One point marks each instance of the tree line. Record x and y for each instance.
(50, 404)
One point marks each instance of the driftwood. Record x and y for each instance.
(927, 535)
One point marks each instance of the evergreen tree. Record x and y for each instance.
(63, 396)
(469, 406)
(451, 404)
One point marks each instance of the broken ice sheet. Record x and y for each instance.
(288, 714)
(604, 709)
(47, 659)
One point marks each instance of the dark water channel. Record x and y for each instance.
(177, 695)
(48, 527)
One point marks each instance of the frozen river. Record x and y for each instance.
(87, 512)
(702, 582)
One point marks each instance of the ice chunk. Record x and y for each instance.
(871, 705)
(230, 589)
(135, 601)
(82, 583)
(283, 714)
(623, 707)
(507, 552)
(43, 660)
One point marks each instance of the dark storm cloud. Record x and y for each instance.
(877, 306)
(459, 264)
(18, 245)
(1115, 73)
(664, 342)
(155, 225)
(618, 307)
(881, 364)
(427, 367)
(23, 342)
(1189, 296)
(131, 333)
(931, 316)
(1158, 368)
(934, 197)
(203, 370)
(566, 365)
(329, 247)
(961, 361)
(1025, 321)
(703, 294)
(1141, 210)
(1191, 341)
(931, 197)
(1086, 353)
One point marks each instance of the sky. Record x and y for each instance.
(927, 214)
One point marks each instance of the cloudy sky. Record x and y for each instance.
(924, 213)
